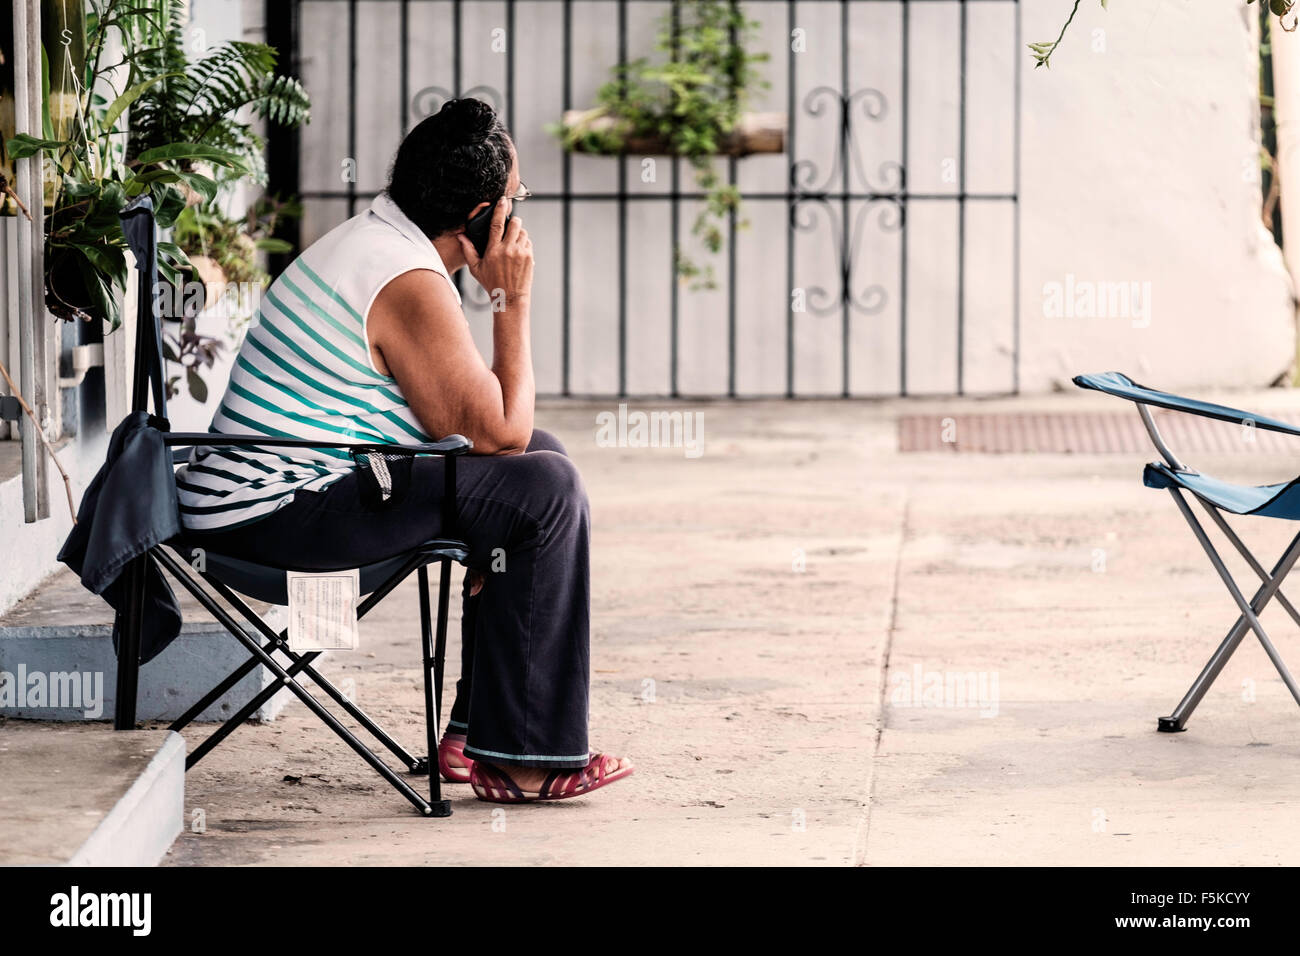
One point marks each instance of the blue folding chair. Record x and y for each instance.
(1271, 501)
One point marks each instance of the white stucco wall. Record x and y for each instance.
(1140, 164)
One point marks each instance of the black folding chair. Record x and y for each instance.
(227, 578)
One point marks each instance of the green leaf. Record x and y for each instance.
(130, 96)
(205, 187)
(24, 145)
(198, 388)
(175, 151)
(168, 272)
(47, 127)
(168, 206)
(109, 260)
(174, 252)
(103, 302)
(157, 176)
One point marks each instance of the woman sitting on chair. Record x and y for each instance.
(363, 336)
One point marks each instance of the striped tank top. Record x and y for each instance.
(305, 371)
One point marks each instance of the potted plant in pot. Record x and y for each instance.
(690, 104)
(224, 252)
(175, 132)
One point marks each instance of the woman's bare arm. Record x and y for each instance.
(419, 333)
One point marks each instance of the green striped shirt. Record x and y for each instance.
(305, 371)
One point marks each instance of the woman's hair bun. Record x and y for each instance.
(468, 119)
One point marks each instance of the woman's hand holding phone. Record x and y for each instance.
(505, 270)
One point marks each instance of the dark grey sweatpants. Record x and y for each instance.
(522, 696)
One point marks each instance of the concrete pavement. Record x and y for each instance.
(820, 651)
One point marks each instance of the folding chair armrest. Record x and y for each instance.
(447, 447)
(1121, 386)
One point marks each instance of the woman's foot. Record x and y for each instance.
(452, 762)
(498, 784)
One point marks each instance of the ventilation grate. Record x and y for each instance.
(1087, 433)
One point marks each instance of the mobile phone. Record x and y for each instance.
(478, 228)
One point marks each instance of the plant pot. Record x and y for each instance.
(754, 133)
(208, 271)
(67, 294)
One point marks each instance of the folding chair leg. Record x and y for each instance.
(432, 696)
(301, 664)
(237, 719)
(279, 642)
(1249, 558)
(223, 617)
(1248, 620)
(440, 649)
(214, 695)
(128, 647)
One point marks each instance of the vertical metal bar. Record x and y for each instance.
(33, 330)
(130, 622)
(961, 212)
(846, 144)
(9, 308)
(566, 210)
(1015, 201)
(674, 230)
(510, 66)
(622, 220)
(456, 77)
(283, 143)
(732, 168)
(352, 106)
(791, 77)
(450, 511)
(902, 233)
(430, 707)
(439, 652)
(455, 92)
(404, 45)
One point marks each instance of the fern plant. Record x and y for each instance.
(205, 100)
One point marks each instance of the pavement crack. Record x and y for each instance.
(863, 831)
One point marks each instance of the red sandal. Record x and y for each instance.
(453, 744)
(495, 785)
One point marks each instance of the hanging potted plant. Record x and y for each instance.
(183, 144)
(690, 104)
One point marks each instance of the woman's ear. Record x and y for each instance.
(474, 212)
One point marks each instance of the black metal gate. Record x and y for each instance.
(842, 190)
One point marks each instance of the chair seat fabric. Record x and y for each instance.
(1270, 501)
(266, 583)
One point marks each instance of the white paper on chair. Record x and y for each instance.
(323, 610)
